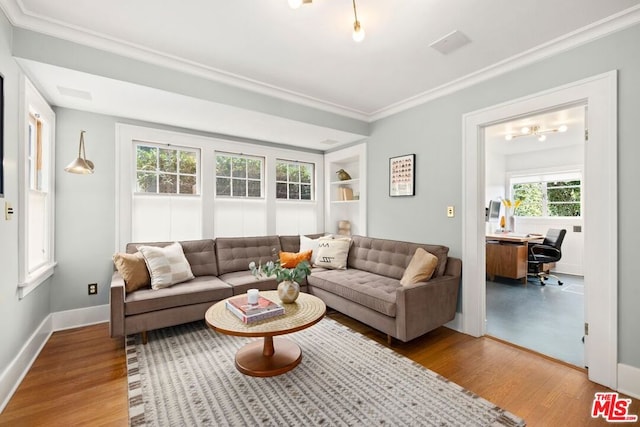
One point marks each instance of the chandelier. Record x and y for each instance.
(536, 131)
(358, 32)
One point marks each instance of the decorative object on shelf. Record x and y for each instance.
(345, 193)
(402, 175)
(344, 228)
(536, 131)
(343, 175)
(358, 32)
(510, 208)
(80, 165)
(288, 278)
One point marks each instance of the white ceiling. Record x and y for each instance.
(308, 54)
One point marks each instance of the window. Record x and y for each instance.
(239, 176)
(294, 180)
(36, 215)
(557, 194)
(163, 170)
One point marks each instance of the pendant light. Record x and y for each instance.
(80, 165)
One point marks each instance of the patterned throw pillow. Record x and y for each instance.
(333, 253)
(291, 259)
(133, 270)
(420, 268)
(167, 266)
(307, 244)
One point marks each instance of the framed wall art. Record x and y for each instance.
(402, 175)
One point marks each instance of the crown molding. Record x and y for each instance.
(19, 16)
(599, 29)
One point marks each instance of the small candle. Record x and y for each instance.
(252, 296)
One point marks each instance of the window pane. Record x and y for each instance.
(168, 183)
(294, 173)
(223, 186)
(188, 184)
(223, 166)
(239, 168)
(565, 209)
(146, 158)
(254, 168)
(239, 187)
(306, 171)
(168, 161)
(188, 160)
(281, 190)
(564, 194)
(294, 191)
(254, 189)
(531, 196)
(305, 192)
(281, 172)
(147, 183)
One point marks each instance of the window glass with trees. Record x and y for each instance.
(166, 170)
(239, 175)
(555, 195)
(294, 180)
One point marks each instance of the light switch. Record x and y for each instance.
(450, 211)
(8, 211)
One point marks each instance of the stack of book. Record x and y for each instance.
(250, 313)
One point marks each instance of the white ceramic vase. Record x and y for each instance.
(288, 291)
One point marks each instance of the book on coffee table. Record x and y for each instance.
(263, 309)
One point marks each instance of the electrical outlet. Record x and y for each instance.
(450, 211)
(93, 288)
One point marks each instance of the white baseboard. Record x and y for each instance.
(629, 380)
(12, 376)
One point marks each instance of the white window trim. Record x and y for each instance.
(198, 175)
(313, 183)
(29, 281)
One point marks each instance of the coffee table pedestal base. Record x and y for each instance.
(268, 358)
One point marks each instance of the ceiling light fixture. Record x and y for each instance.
(358, 31)
(80, 165)
(535, 131)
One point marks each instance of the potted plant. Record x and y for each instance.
(288, 278)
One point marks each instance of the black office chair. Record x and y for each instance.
(546, 252)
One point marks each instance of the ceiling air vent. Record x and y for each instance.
(450, 42)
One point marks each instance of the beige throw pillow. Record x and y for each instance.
(133, 270)
(308, 244)
(333, 253)
(167, 266)
(420, 269)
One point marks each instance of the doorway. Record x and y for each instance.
(599, 93)
(535, 164)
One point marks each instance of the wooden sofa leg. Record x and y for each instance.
(389, 340)
(144, 337)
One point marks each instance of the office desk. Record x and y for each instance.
(506, 255)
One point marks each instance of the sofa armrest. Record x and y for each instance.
(424, 306)
(116, 304)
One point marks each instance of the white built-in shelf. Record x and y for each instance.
(345, 201)
(348, 181)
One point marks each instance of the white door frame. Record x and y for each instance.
(600, 226)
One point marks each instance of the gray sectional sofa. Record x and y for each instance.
(369, 290)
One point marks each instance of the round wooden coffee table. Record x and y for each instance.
(270, 356)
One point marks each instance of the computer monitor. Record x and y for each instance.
(493, 211)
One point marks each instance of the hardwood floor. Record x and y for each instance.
(80, 378)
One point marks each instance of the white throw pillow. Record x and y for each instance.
(333, 253)
(308, 244)
(167, 266)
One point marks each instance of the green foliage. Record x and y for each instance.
(271, 268)
(293, 180)
(164, 170)
(558, 198)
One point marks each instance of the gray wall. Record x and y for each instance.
(433, 131)
(19, 318)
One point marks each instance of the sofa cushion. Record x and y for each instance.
(292, 259)
(199, 290)
(235, 253)
(333, 252)
(420, 269)
(241, 281)
(368, 289)
(201, 254)
(390, 257)
(167, 266)
(133, 270)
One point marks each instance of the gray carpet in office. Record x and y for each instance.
(547, 319)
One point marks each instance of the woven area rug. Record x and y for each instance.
(185, 376)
